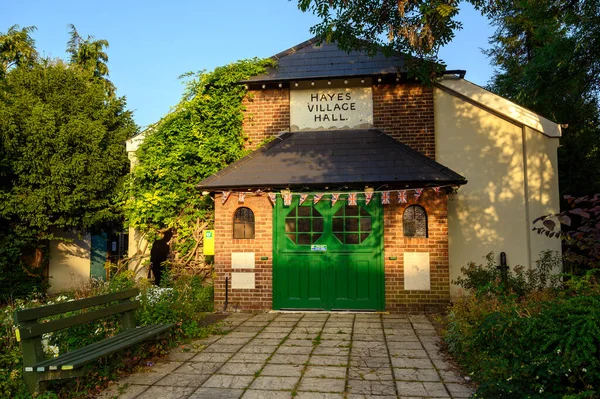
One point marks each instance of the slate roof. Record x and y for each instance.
(309, 61)
(333, 158)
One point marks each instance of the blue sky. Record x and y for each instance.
(154, 42)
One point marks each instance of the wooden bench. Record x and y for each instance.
(37, 369)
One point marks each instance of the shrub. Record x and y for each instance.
(544, 343)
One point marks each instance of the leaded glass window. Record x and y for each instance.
(351, 224)
(243, 223)
(414, 222)
(304, 225)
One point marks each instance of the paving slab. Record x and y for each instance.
(325, 372)
(304, 356)
(216, 393)
(322, 385)
(240, 368)
(274, 383)
(368, 387)
(183, 380)
(228, 381)
(165, 392)
(282, 370)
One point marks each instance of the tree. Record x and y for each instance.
(62, 163)
(17, 47)
(412, 27)
(63, 149)
(89, 55)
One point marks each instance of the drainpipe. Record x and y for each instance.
(226, 294)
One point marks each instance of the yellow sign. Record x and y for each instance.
(209, 242)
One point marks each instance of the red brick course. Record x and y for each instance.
(405, 112)
(267, 114)
(395, 245)
(259, 298)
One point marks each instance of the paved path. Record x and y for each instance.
(304, 356)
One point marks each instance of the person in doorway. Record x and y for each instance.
(159, 254)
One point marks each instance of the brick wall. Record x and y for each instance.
(262, 246)
(395, 244)
(405, 112)
(267, 114)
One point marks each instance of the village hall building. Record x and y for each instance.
(373, 190)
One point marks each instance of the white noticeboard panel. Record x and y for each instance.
(242, 260)
(242, 281)
(332, 108)
(417, 275)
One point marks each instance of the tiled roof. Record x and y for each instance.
(354, 158)
(308, 60)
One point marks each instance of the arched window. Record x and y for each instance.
(414, 222)
(243, 223)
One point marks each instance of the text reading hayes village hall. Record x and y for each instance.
(374, 190)
(333, 107)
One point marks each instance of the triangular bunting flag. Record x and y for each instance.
(272, 197)
(368, 197)
(303, 198)
(437, 190)
(334, 198)
(317, 198)
(385, 197)
(225, 197)
(402, 197)
(287, 199)
(241, 197)
(352, 199)
(418, 192)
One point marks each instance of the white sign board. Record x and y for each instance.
(242, 260)
(242, 281)
(332, 108)
(416, 271)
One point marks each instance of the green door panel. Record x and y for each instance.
(98, 257)
(348, 274)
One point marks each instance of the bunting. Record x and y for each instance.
(418, 192)
(402, 197)
(334, 198)
(225, 197)
(352, 199)
(385, 197)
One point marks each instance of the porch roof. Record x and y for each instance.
(334, 159)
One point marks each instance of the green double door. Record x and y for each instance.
(328, 257)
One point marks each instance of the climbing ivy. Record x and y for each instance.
(200, 136)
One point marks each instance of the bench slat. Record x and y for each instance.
(64, 307)
(91, 353)
(92, 347)
(60, 324)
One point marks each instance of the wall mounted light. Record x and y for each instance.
(312, 83)
(264, 86)
(295, 84)
(346, 82)
(329, 82)
(280, 85)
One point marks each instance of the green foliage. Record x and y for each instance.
(489, 279)
(185, 303)
(63, 143)
(417, 28)
(17, 48)
(202, 135)
(542, 344)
